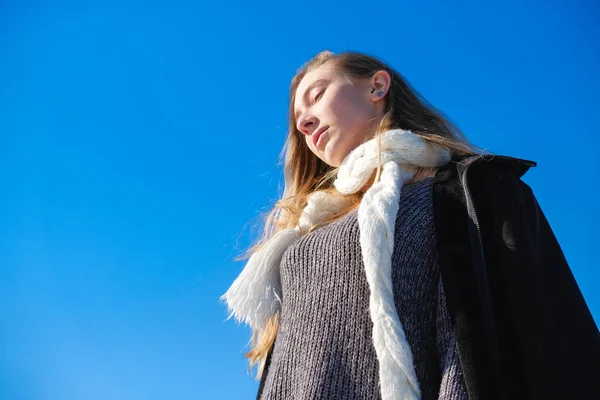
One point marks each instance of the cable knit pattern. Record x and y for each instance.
(324, 347)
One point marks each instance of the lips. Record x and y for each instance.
(315, 136)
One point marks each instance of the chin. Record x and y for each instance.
(331, 156)
(329, 162)
(332, 160)
(337, 159)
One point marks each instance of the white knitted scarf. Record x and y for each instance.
(256, 294)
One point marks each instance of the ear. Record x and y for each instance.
(380, 85)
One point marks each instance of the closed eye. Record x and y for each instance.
(318, 96)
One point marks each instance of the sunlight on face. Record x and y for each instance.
(335, 114)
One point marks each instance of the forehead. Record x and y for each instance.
(323, 72)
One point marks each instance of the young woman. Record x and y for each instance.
(402, 262)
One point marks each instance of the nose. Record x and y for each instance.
(307, 124)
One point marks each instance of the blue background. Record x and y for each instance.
(139, 143)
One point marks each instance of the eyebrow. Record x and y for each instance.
(309, 88)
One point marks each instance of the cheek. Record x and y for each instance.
(351, 111)
(308, 141)
(310, 145)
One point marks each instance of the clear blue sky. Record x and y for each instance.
(138, 141)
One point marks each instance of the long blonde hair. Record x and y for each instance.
(305, 173)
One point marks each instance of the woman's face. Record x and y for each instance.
(335, 113)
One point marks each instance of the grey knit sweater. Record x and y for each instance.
(324, 348)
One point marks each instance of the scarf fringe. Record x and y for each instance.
(255, 295)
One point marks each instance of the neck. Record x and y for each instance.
(423, 173)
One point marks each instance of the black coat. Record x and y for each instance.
(523, 329)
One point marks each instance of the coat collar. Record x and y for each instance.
(517, 166)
